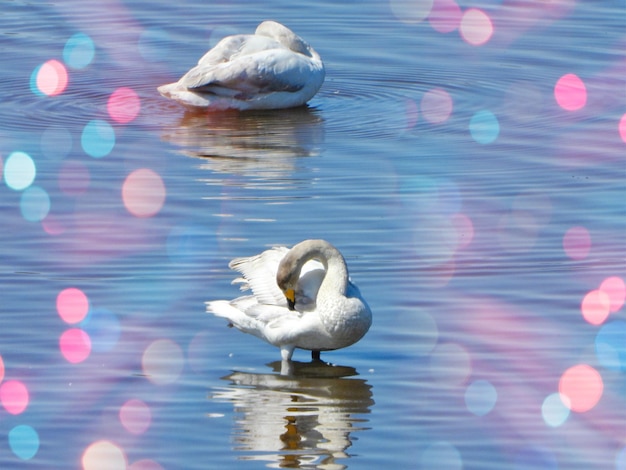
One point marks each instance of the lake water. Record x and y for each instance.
(467, 158)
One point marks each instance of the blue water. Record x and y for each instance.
(479, 206)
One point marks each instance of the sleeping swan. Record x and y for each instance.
(301, 298)
(270, 69)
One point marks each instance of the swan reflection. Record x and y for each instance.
(304, 420)
(251, 143)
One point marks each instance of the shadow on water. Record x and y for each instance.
(304, 420)
(251, 142)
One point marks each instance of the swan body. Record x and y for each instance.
(301, 298)
(271, 69)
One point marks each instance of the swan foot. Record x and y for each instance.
(316, 355)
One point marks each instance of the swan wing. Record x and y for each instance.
(224, 50)
(259, 275)
(249, 75)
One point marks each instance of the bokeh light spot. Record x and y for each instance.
(450, 364)
(595, 307)
(75, 345)
(135, 416)
(484, 127)
(19, 171)
(98, 138)
(436, 105)
(24, 441)
(103, 328)
(50, 78)
(79, 51)
(104, 455)
(615, 288)
(582, 386)
(145, 464)
(577, 243)
(162, 362)
(476, 27)
(14, 396)
(53, 225)
(123, 105)
(611, 346)
(570, 92)
(622, 128)
(445, 16)
(441, 455)
(34, 204)
(480, 397)
(74, 178)
(555, 409)
(143, 193)
(411, 11)
(72, 305)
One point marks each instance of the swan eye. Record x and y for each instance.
(290, 295)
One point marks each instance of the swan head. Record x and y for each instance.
(287, 279)
(285, 36)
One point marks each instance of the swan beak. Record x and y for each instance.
(290, 295)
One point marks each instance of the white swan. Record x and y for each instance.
(270, 69)
(301, 298)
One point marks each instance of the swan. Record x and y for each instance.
(301, 298)
(271, 69)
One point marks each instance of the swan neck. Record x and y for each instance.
(336, 278)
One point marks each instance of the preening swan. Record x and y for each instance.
(270, 69)
(301, 298)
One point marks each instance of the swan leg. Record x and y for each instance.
(286, 352)
(316, 356)
(286, 366)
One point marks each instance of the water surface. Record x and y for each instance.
(468, 160)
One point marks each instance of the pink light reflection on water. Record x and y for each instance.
(135, 416)
(143, 193)
(476, 27)
(570, 92)
(14, 396)
(72, 305)
(583, 387)
(512, 356)
(51, 78)
(52, 225)
(145, 464)
(445, 16)
(577, 243)
(124, 105)
(163, 361)
(436, 105)
(75, 345)
(104, 455)
(595, 307)
(615, 288)
(621, 127)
